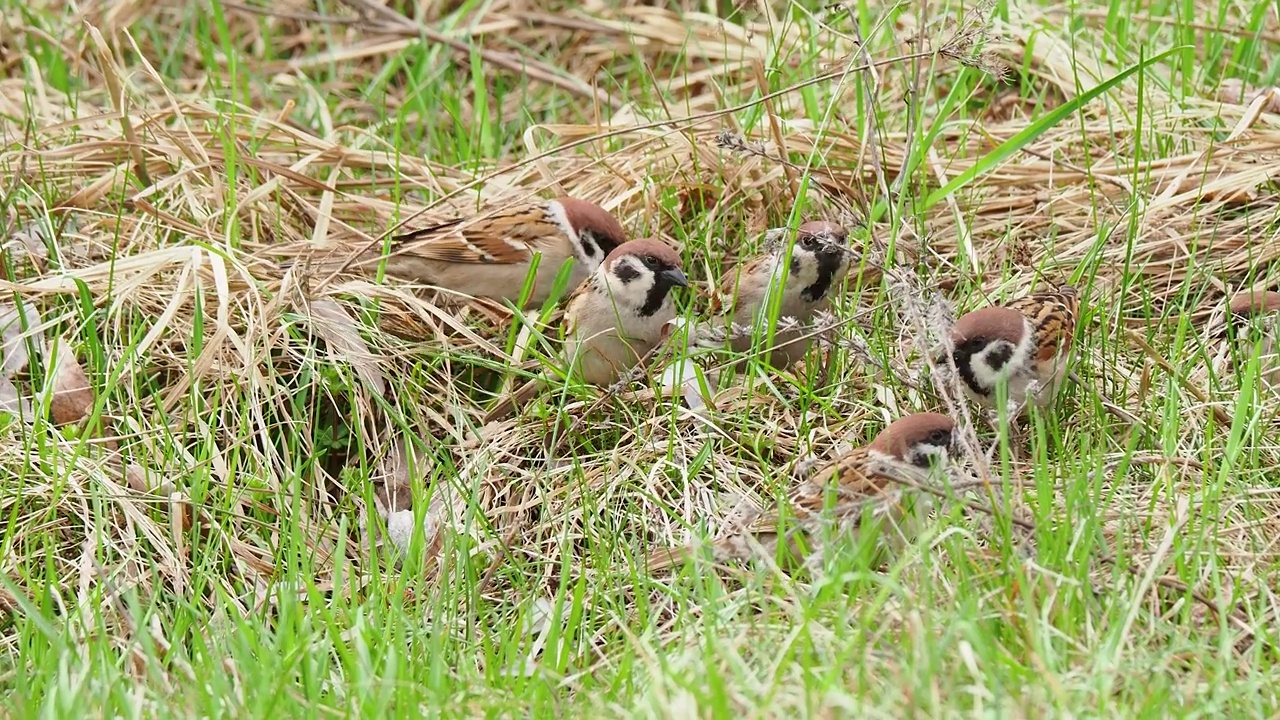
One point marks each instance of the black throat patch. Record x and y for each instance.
(587, 246)
(594, 246)
(656, 295)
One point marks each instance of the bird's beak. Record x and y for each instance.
(675, 276)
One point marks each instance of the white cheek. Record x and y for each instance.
(803, 269)
(630, 294)
(801, 274)
(808, 273)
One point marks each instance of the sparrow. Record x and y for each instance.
(615, 317)
(904, 453)
(1255, 317)
(820, 259)
(489, 255)
(1026, 342)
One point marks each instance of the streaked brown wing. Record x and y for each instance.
(505, 236)
(843, 482)
(1053, 314)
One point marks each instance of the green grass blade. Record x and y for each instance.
(1035, 130)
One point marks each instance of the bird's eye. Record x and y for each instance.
(809, 242)
(938, 437)
(650, 260)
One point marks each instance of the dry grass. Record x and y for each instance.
(246, 407)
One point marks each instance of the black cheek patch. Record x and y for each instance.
(626, 272)
(590, 245)
(999, 357)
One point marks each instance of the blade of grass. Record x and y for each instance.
(1035, 130)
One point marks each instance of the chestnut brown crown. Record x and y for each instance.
(915, 438)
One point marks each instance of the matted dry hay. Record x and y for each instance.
(193, 253)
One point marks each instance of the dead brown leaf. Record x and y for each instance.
(13, 344)
(71, 396)
(29, 240)
(1236, 92)
(14, 355)
(11, 400)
